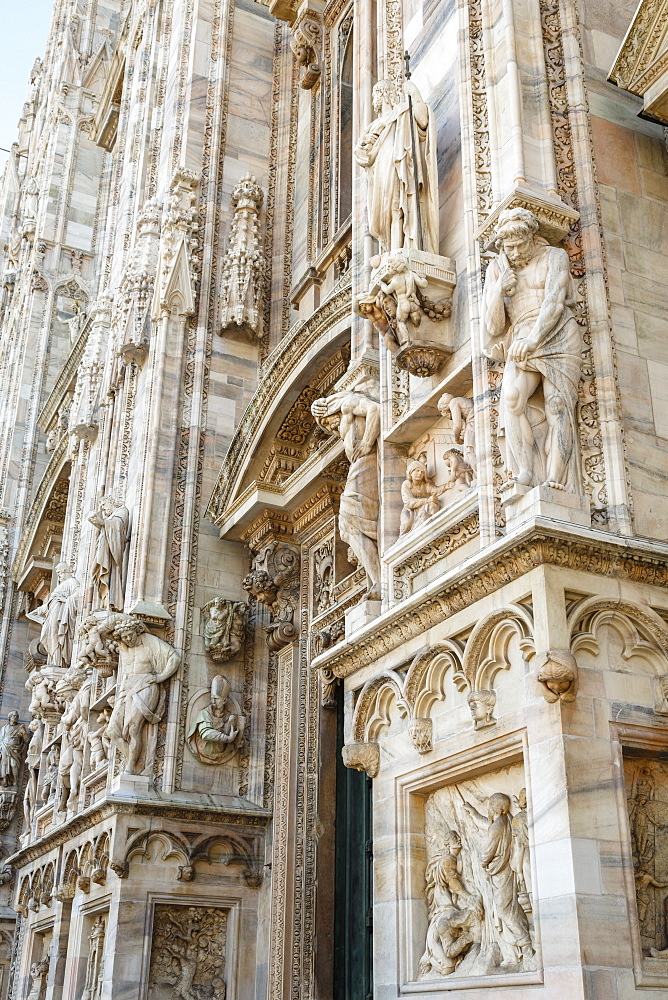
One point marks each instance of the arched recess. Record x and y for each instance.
(41, 541)
(372, 711)
(169, 844)
(641, 630)
(427, 675)
(487, 648)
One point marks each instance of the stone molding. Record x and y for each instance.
(281, 362)
(539, 543)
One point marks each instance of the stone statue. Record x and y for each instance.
(420, 498)
(509, 916)
(57, 617)
(529, 324)
(399, 295)
(460, 473)
(395, 181)
(99, 741)
(519, 859)
(354, 414)
(223, 628)
(460, 410)
(76, 686)
(95, 963)
(32, 764)
(145, 664)
(76, 322)
(38, 974)
(557, 674)
(217, 731)
(12, 737)
(43, 699)
(241, 269)
(31, 199)
(51, 774)
(482, 704)
(112, 519)
(455, 913)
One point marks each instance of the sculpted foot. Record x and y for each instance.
(554, 485)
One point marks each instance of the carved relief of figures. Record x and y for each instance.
(188, 953)
(223, 628)
(647, 804)
(529, 324)
(460, 410)
(146, 663)
(242, 265)
(478, 879)
(420, 498)
(112, 520)
(455, 912)
(274, 581)
(354, 415)
(57, 617)
(395, 181)
(217, 731)
(95, 963)
(459, 472)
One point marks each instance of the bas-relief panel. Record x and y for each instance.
(478, 879)
(647, 803)
(188, 953)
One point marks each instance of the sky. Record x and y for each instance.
(24, 25)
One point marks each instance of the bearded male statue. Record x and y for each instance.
(529, 323)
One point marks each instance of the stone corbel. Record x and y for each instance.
(554, 217)
(421, 734)
(306, 44)
(557, 675)
(362, 757)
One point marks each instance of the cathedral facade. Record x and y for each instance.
(334, 524)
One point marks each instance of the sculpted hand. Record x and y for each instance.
(509, 281)
(519, 351)
(359, 451)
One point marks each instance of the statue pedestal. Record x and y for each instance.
(522, 503)
(426, 341)
(359, 616)
(131, 785)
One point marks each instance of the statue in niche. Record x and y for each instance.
(57, 617)
(76, 322)
(395, 180)
(95, 963)
(456, 913)
(529, 323)
(460, 473)
(13, 736)
(112, 520)
(494, 859)
(217, 731)
(146, 662)
(33, 758)
(51, 774)
(460, 410)
(420, 498)
(482, 704)
(224, 623)
(31, 199)
(354, 415)
(519, 860)
(38, 974)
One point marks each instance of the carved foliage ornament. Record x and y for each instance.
(306, 43)
(241, 271)
(274, 582)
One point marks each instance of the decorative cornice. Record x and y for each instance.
(283, 359)
(47, 483)
(538, 543)
(633, 69)
(99, 812)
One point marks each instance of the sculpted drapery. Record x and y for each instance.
(395, 179)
